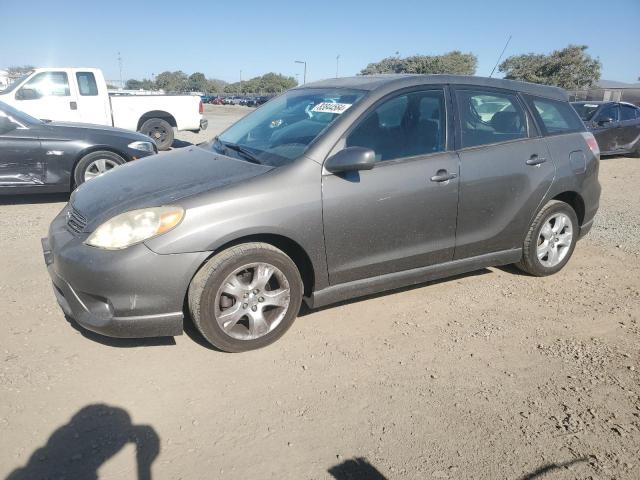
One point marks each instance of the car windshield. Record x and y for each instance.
(283, 129)
(21, 117)
(585, 110)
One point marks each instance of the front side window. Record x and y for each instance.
(627, 112)
(556, 116)
(612, 112)
(404, 126)
(283, 129)
(87, 84)
(488, 117)
(47, 84)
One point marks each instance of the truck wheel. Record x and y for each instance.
(550, 240)
(95, 164)
(245, 297)
(160, 131)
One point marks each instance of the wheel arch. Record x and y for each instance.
(575, 200)
(161, 114)
(290, 247)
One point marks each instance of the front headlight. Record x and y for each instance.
(142, 146)
(135, 226)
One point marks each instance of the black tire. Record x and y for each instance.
(160, 131)
(530, 262)
(204, 288)
(88, 162)
(636, 152)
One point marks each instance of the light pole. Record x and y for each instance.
(305, 70)
(240, 87)
(337, 60)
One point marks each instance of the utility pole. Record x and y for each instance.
(240, 87)
(120, 67)
(337, 64)
(304, 62)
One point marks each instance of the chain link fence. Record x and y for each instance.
(630, 95)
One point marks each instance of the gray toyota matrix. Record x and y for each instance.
(333, 190)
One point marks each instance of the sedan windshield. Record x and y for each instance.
(21, 117)
(585, 110)
(283, 129)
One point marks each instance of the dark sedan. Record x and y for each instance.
(37, 156)
(616, 125)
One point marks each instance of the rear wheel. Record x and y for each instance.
(550, 240)
(95, 164)
(245, 297)
(160, 130)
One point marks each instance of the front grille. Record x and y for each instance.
(75, 221)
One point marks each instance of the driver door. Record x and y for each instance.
(401, 214)
(48, 96)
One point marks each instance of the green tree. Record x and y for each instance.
(215, 85)
(17, 71)
(144, 84)
(198, 82)
(570, 68)
(455, 63)
(267, 83)
(173, 81)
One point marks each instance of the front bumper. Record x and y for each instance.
(133, 292)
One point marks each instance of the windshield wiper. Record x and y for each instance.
(242, 151)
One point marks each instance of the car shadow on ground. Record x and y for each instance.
(355, 469)
(120, 342)
(33, 198)
(92, 436)
(550, 467)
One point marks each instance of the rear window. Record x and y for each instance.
(555, 116)
(87, 84)
(627, 112)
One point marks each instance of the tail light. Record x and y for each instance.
(592, 142)
(200, 108)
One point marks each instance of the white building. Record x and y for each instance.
(4, 79)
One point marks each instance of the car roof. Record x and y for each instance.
(397, 81)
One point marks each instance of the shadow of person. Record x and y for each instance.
(355, 469)
(92, 436)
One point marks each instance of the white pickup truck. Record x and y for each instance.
(80, 95)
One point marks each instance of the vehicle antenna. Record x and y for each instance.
(500, 57)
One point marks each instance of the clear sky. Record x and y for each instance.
(258, 36)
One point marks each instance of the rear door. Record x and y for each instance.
(505, 170)
(93, 98)
(608, 133)
(629, 126)
(49, 96)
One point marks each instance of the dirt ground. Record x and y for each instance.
(489, 375)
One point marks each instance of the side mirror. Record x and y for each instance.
(27, 94)
(6, 125)
(605, 120)
(351, 159)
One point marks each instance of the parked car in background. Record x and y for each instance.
(80, 95)
(616, 125)
(38, 156)
(333, 190)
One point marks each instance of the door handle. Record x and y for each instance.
(443, 176)
(535, 160)
(73, 105)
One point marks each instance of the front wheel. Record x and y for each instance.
(550, 240)
(160, 130)
(246, 297)
(95, 164)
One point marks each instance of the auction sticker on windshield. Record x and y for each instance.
(328, 107)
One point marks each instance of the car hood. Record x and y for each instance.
(159, 180)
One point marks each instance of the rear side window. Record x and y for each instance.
(628, 112)
(489, 117)
(87, 84)
(555, 116)
(612, 112)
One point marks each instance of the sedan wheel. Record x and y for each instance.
(555, 239)
(98, 167)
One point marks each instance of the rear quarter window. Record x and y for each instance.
(555, 117)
